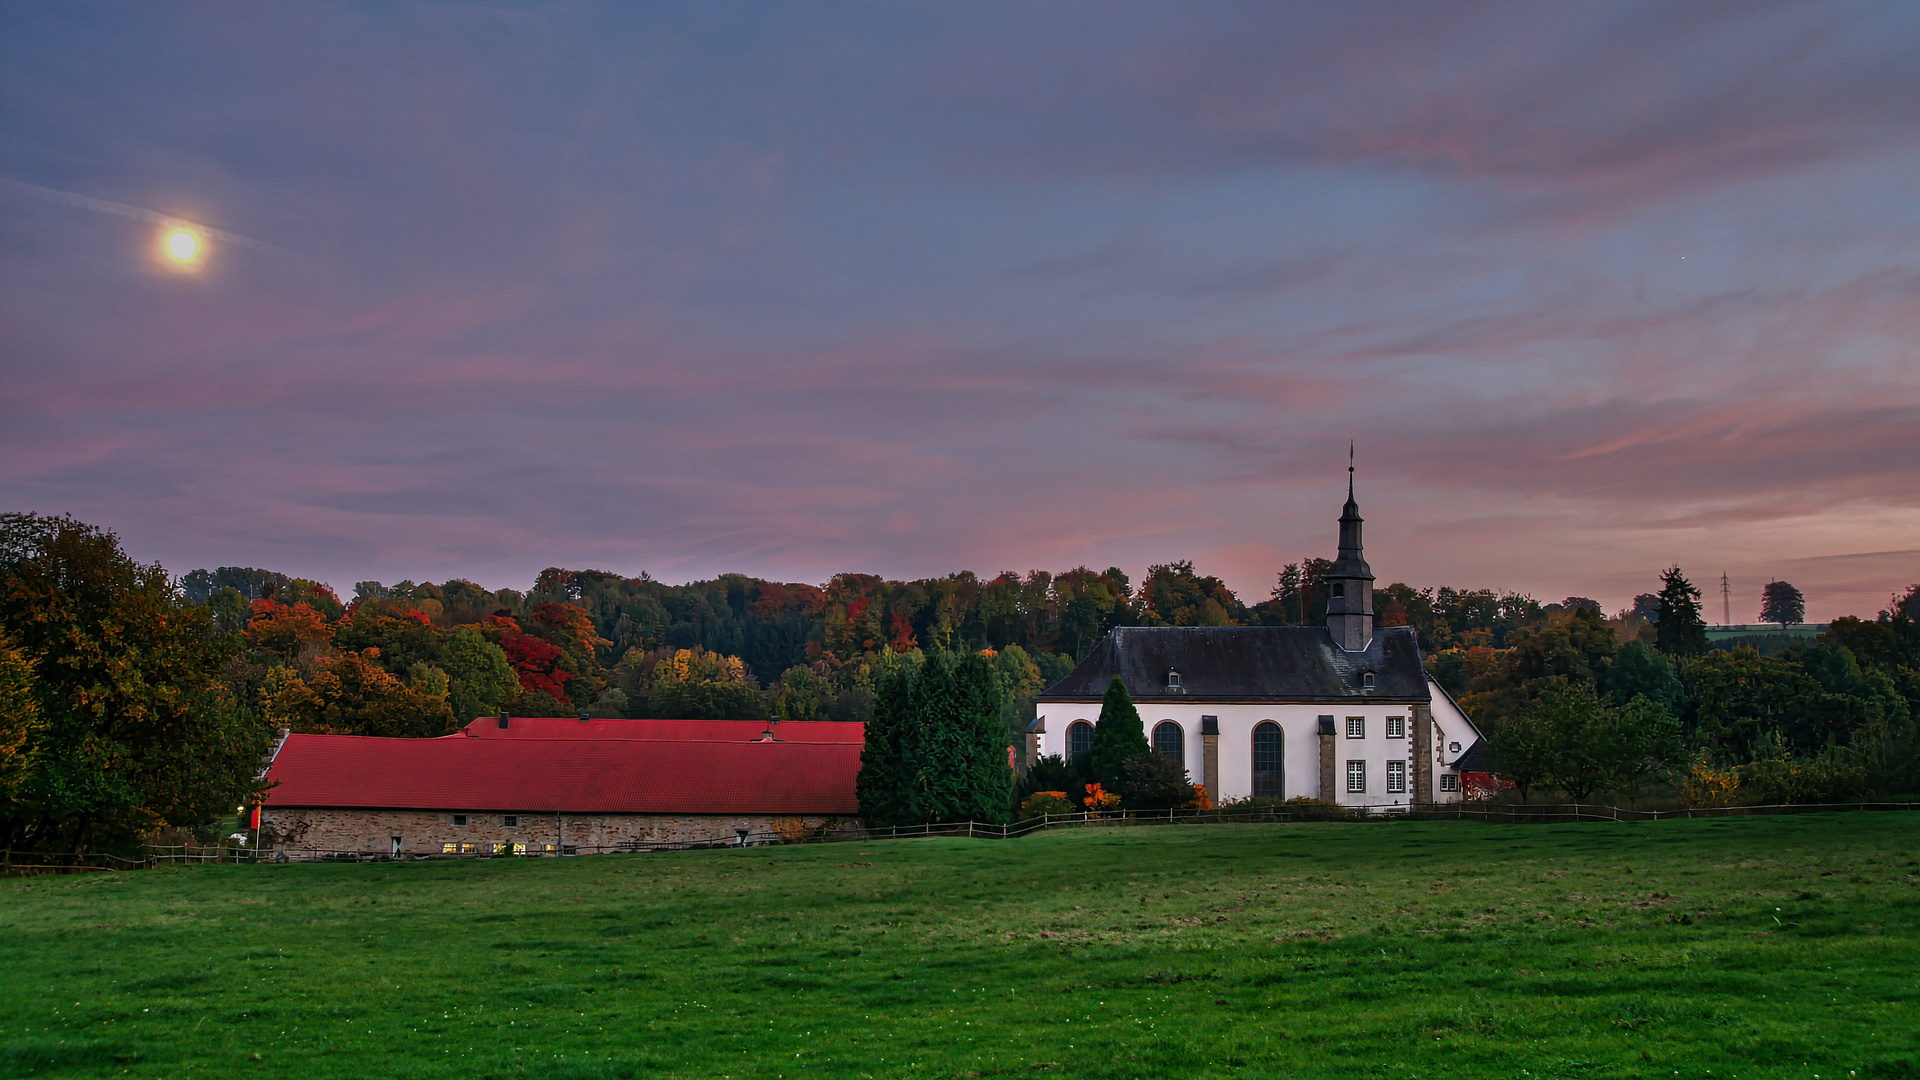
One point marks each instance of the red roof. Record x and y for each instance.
(612, 776)
(561, 727)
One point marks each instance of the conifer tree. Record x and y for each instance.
(1117, 736)
(989, 779)
(1681, 631)
(883, 788)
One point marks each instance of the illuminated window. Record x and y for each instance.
(1357, 776)
(1169, 741)
(449, 848)
(1266, 759)
(499, 849)
(519, 849)
(469, 849)
(1079, 738)
(1396, 777)
(1449, 782)
(550, 849)
(1396, 727)
(1356, 727)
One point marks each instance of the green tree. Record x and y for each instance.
(1681, 630)
(21, 728)
(480, 678)
(884, 786)
(136, 730)
(1639, 671)
(1117, 736)
(1571, 739)
(1782, 603)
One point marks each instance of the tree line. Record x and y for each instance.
(134, 701)
(1570, 707)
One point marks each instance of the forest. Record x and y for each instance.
(135, 700)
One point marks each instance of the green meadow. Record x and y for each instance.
(1757, 947)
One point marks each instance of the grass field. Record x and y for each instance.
(1756, 947)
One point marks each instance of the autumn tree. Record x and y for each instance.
(481, 681)
(135, 729)
(351, 694)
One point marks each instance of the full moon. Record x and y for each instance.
(182, 245)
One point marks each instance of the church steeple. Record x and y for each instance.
(1350, 579)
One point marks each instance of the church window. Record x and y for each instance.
(1079, 738)
(1357, 776)
(1356, 727)
(1337, 589)
(1396, 727)
(1266, 760)
(1396, 777)
(1169, 741)
(1449, 782)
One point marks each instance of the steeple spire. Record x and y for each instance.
(1350, 579)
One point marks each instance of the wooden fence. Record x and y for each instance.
(1511, 813)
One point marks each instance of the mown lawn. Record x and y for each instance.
(1762, 947)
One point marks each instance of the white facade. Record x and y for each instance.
(1374, 755)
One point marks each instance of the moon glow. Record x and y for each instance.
(182, 247)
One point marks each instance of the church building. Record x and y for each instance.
(1345, 713)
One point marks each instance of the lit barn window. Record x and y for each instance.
(1266, 759)
(1079, 738)
(1169, 741)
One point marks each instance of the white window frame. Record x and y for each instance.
(1356, 778)
(459, 821)
(510, 821)
(1356, 727)
(1449, 781)
(1396, 777)
(1396, 727)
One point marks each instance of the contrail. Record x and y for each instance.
(127, 210)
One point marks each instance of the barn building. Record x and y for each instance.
(551, 786)
(1344, 712)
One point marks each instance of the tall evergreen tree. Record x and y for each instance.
(1681, 631)
(883, 787)
(989, 779)
(1117, 736)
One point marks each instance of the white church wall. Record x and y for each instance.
(1300, 744)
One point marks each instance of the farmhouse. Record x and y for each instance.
(1345, 713)
(553, 786)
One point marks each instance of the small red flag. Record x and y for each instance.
(256, 816)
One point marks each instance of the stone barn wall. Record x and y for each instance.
(427, 832)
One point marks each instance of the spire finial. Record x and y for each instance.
(1349, 470)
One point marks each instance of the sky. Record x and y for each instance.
(909, 288)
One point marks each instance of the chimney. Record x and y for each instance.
(503, 719)
(583, 714)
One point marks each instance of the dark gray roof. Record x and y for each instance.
(1475, 759)
(1234, 663)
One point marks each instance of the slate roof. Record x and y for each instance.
(586, 776)
(1475, 758)
(1248, 663)
(561, 727)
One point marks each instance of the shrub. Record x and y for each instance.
(1042, 803)
(1153, 781)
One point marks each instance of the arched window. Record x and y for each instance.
(1079, 738)
(1266, 759)
(1170, 741)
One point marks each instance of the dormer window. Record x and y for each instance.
(1366, 680)
(1338, 590)
(1173, 679)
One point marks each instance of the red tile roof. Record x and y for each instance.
(561, 727)
(611, 776)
